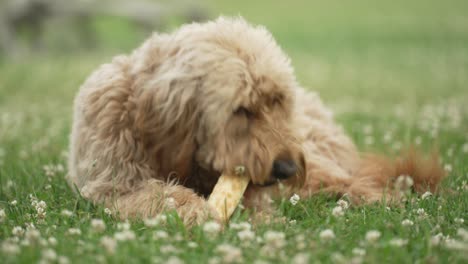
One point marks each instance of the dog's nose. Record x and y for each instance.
(283, 169)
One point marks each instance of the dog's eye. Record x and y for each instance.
(242, 111)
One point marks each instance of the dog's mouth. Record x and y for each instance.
(267, 184)
(203, 181)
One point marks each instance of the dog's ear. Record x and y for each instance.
(167, 115)
(182, 162)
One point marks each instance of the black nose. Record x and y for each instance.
(283, 169)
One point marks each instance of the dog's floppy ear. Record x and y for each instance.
(166, 117)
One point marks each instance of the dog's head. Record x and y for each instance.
(247, 102)
(231, 105)
(250, 126)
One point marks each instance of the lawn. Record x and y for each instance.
(395, 73)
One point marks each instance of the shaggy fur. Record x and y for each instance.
(154, 130)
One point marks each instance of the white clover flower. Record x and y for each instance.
(59, 168)
(41, 213)
(359, 251)
(372, 236)
(109, 244)
(123, 226)
(9, 184)
(66, 213)
(17, 231)
(52, 241)
(465, 148)
(211, 228)
(229, 253)
(343, 204)
(421, 213)
(49, 255)
(25, 243)
(367, 129)
(300, 242)
(33, 199)
(398, 242)
(74, 231)
(32, 235)
(274, 239)
(459, 220)
(418, 140)
(437, 239)
(48, 169)
(192, 244)
(40, 208)
(41, 204)
(301, 258)
(174, 260)
(151, 222)
(407, 222)
(155, 221)
(107, 211)
(338, 211)
(327, 235)
(63, 260)
(14, 202)
(448, 168)
(10, 248)
(464, 185)
(455, 245)
(160, 234)
(426, 195)
(404, 182)
(259, 240)
(387, 137)
(294, 199)
(246, 235)
(98, 225)
(125, 235)
(170, 203)
(214, 260)
(450, 152)
(43, 242)
(2, 215)
(337, 257)
(178, 237)
(369, 140)
(30, 225)
(463, 233)
(240, 226)
(167, 249)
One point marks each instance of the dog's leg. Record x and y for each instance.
(156, 197)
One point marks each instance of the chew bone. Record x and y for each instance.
(227, 193)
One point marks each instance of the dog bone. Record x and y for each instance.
(227, 194)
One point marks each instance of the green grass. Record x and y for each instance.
(395, 73)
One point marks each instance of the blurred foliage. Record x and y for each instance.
(56, 26)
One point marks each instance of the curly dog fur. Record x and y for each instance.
(154, 130)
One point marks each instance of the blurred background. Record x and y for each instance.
(369, 60)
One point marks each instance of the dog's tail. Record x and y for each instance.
(379, 177)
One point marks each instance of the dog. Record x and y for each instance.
(154, 130)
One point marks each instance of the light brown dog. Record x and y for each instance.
(154, 130)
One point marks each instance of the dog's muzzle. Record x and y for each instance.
(284, 169)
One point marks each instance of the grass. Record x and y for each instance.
(395, 73)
